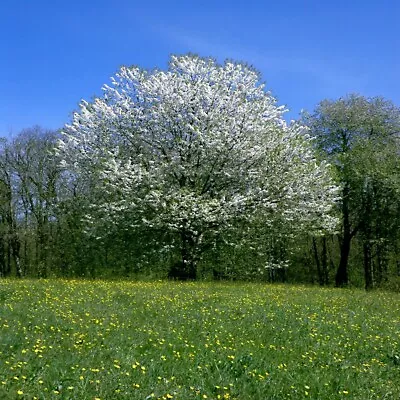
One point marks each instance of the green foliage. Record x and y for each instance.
(48, 226)
(360, 137)
(124, 340)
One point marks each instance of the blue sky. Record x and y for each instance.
(55, 53)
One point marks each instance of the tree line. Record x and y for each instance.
(193, 173)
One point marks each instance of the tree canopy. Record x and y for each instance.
(360, 137)
(191, 151)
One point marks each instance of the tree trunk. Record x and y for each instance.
(7, 270)
(367, 233)
(189, 267)
(342, 278)
(317, 262)
(186, 269)
(41, 248)
(324, 262)
(15, 248)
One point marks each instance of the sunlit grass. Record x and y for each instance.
(165, 340)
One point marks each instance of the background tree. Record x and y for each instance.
(191, 152)
(29, 185)
(36, 176)
(378, 174)
(359, 136)
(10, 239)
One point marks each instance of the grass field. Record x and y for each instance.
(165, 340)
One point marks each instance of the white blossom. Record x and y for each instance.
(196, 148)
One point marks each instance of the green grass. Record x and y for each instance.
(126, 340)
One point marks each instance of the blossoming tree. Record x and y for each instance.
(192, 150)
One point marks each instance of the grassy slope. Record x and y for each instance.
(108, 340)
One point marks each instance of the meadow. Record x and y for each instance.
(71, 339)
